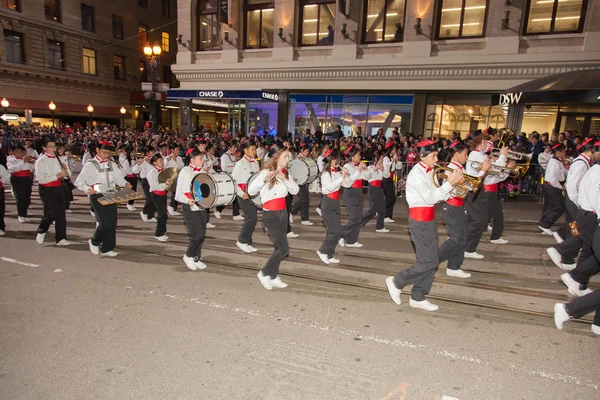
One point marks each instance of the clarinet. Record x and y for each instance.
(66, 178)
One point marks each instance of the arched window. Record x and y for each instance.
(208, 28)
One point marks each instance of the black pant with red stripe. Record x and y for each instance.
(389, 191)
(376, 207)
(21, 186)
(53, 198)
(149, 208)
(554, 205)
(477, 206)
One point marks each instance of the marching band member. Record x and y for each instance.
(99, 176)
(376, 196)
(195, 217)
(244, 168)
(131, 177)
(331, 181)
(20, 166)
(273, 185)
(554, 202)
(227, 164)
(496, 214)
(158, 192)
(30, 151)
(353, 196)
(68, 185)
(88, 155)
(173, 161)
(50, 172)
(478, 204)
(210, 161)
(588, 199)
(564, 253)
(303, 203)
(4, 179)
(578, 308)
(390, 165)
(321, 168)
(143, 167)
(422, 195)
(456, 220)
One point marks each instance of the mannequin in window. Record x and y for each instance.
(329, 38)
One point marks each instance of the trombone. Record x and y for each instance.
(463, 187)
(496, 169)
(513, 155)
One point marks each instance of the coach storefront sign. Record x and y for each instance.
(509, 99)
(212, 94)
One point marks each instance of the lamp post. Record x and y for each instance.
(4, 103)
(123, 111)
(152, 54)
(90, 109)
(52, 107)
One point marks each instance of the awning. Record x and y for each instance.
(65, 108)
(582, 86)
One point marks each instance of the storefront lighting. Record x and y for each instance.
(122, 110)
(466, 8)
(4, 103)
(457, 25)
(387, 15)
(550, 19)
(90, 108)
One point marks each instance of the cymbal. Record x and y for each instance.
(169, 173)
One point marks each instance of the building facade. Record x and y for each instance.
(76, 53)
(422, 66)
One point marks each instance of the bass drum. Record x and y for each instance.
(304, 170)
(254, 199)
(213, 190)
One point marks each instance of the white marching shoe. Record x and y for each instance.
(388, 220)
(40, 238)
(557, 237)
(217, 214)
(423, 305)
(490, 228)
(457, 273)
(382, 230)
(110, 254)
(63, 242)
(172, 211)
(210, 226)
(571, 284)
(318, 210)
(144, 216)
(560, 315)
(252, 248)
(499, 241)
(200, 265)
(474, 255)
(238, 218)
(393, 290)
(292, 235)
(190, 263)
(333, 260)
(94, 249)
(162, 238)
(323, 257)
(153, 219)
(545, 231)
(2, 233)
(68, 211)
(130, 207)
(278, 283)
(596, 329)
(23, 219)
(244, 247)
(264, 280)
(291, 219)
(307, 223)
(554, 256)
(356, 245)
(92, 214)
(342, 242)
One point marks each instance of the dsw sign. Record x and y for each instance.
(510, 98)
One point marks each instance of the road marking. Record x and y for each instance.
(401, 391)
(58, 270)
(11, 260)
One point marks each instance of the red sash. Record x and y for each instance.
(160, 192)
(188, 195)
(376, 183)
(55, 183)
(334, 195)
(392, 174)
(456, 201)
(1, 185)
(242, 186)
(277, 204)
(423, 214)
(22, 173)
(357, 184)
(131, 176)
(491, 188)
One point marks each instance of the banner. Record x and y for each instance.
(223, 11)
(186, 117)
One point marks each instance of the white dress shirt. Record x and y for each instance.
(4, 176)
(183, 192)
(127, 167)
(279, 190)
(420, 191)
(242, 171)
(46, 168)
(355, 174)
(153, 180)
(555, 173)
(577, 170)
(227, 162)
(390, 166)
(31, 153)
(15, 164)
(480, 157)
(331, 182)
(86, 157)
(177, 162)
(321, 163)
(589, 190)
(142, 169)
(102, 176)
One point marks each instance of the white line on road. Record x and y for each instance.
(11, 260)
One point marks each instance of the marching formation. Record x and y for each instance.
(466, 183)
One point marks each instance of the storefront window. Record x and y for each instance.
(441, 120)
(208, 29)
(384, 21)
(318, 20)
(461, 18)
(262, 118)
(555, 16)
(259, 24)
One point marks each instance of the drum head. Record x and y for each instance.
(254, 199)
(299, 171)
(203, 190)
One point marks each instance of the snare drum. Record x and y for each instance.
(254, 199)
(304, 170)
(213, 190)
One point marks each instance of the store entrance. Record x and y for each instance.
(584, 124)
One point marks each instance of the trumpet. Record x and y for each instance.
(496, 169)
(463, 187)
(513, 155)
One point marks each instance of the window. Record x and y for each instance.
(119, 67)
(461, 18)
(260, 25)
(208, 32)
(87, 17)
(52, 10)
(55, 55)
(143, 3)
(166, 8)
(117, 25)
(11, 4)
(318, 20)
(166, 42)
(384, 20)
(143, 34)
(555, 16)
(89, 61)
(13, 47)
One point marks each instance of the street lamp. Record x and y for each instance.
(90, 109)
(123, 111)
(4, 103)
(52, 107)
(152, 54)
